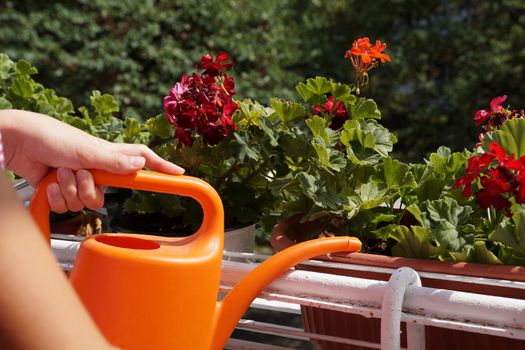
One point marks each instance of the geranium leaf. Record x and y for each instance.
(23, 67)
(364, 109)
(315, 90)
(397, 174)
(510, 136)
(430, 187)
(376, 219)
(105, 105)
(246, 150)
(287, 110)
(478, 253)
(511, 233)
(360, 135)
(371, 195)
(160, 126)
(6, 67)
(342, 92)
(413, 243)
(251, 112)
(448, 222)
(4, 103)
(266, 126)
(318, 191)
(323, 153)
(447, 163)
(23, 87)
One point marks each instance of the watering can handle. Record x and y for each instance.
(212, 223)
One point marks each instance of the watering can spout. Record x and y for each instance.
(237, 301)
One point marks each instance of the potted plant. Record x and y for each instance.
(217, 139)
(456, 212)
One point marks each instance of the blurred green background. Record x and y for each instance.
(449, 57)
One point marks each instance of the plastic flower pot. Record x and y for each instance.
(316, 320)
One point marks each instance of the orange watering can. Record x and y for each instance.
(150, 292)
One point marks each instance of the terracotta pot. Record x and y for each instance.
(358, 327)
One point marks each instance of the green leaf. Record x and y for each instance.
(314, 91)
(415, 242)
(279, 184)
(511, 233)
(445, 162)
(4, 103)
(430, 187)
(510, 136)
(397, 174)
(23, 67)
(448, 222)
(365, 109)
(23, 87)
(366, 141)
(381, 217)
(6, 67)
(159, 126)
(267, 127)
(318, 191)
(478, 253)
(247, 150)
(287, 111)
(133, 131)
(251, 113)
(105, 105)
(319, 128)
(385, 232)
(371, 195)
(342, 93)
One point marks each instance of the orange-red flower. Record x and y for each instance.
(364, 57)
(361, 48)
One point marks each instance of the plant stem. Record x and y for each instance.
(220, 181)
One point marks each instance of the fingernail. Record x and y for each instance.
(82, 175)
(179, 169)
(63, 173)
(137, 162)
(53, 189)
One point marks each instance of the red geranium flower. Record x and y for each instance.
(203, 103)
(499, 176)
(483, 115)
(340, 115)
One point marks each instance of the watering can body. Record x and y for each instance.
(150, 292)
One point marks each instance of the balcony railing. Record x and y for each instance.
(401, 299)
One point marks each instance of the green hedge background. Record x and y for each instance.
(449, 57)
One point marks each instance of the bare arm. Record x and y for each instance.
(38, 307)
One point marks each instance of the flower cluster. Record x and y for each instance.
(203, 103)
(336, 110)
(364, 57)
(498, 176)
(492, 119)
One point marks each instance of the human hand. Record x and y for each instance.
(34, 144)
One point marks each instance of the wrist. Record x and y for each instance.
(17, 128)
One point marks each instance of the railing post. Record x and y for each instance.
(391, 312)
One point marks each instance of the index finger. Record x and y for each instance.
(153, 161)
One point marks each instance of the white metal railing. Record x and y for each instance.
(402, 299)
